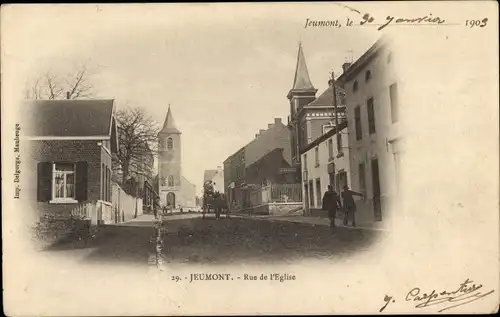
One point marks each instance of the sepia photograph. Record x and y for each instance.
(265, 158)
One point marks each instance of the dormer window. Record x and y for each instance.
(170, 144)
(355, 86)
(368, 75)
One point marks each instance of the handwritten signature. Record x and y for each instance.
(467, 292)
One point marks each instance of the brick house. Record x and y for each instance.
(266, 142)
(270, 169)
(70, 145)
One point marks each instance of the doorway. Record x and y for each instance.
(311, 194)
(171, 200)
(306, 198)
(376, 190)
(318, 193)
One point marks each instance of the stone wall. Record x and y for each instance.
(281, 209)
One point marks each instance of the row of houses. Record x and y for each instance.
(347, 136)
(364, 152)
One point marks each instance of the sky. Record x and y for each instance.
(224, 69)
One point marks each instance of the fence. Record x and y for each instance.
(99, 212)
(125, 207)
(281, 193)
(256, 195)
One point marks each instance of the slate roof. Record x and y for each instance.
(68, 118)
(169, 124)
(208, 175)
(301, 80)
(326, 98)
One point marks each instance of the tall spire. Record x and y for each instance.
(301, 80)
(169, 125)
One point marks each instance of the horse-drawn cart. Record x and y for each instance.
(213, 201)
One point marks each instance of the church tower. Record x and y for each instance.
(169, 162)
(301, 94)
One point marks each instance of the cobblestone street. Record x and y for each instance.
(187, 238)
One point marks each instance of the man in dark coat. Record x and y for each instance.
(331, 203)
(349, 205)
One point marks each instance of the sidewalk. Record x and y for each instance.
(321, 221)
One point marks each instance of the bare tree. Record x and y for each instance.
(138, 142)
(51, 86)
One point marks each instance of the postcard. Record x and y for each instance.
(250, 158)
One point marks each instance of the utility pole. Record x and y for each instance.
(335, 105)
(335, 109)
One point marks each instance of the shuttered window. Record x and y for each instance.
(61, 181)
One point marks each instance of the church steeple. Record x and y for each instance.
(169, 125)
(302, 80)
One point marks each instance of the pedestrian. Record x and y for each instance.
(331, 203)
(349, 205)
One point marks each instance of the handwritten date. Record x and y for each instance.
(476, 23)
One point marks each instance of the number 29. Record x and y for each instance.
(473, 23)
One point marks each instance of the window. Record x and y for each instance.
(170, 144)
(393, 91)
(368, 76)
(109, 185)
(330, 148)
(357, 123)
(371, 115)
(170, 180)
(102, 181)
(316, 156)
(355, 86)
(361, 178)
(305, 162)
(63, 180)
(339, 144)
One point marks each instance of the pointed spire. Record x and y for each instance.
(169, 125)
(301, 80)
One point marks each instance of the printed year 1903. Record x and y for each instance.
(476, 23)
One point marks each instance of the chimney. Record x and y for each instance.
(67, 95)
(269, 125)
(256, 136)
(346, 66)
(277, 120)
(261, 131)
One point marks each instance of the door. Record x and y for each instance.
(318, 193)
(311, 194)
(171, 200)
(306, 198)
(376, 191)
